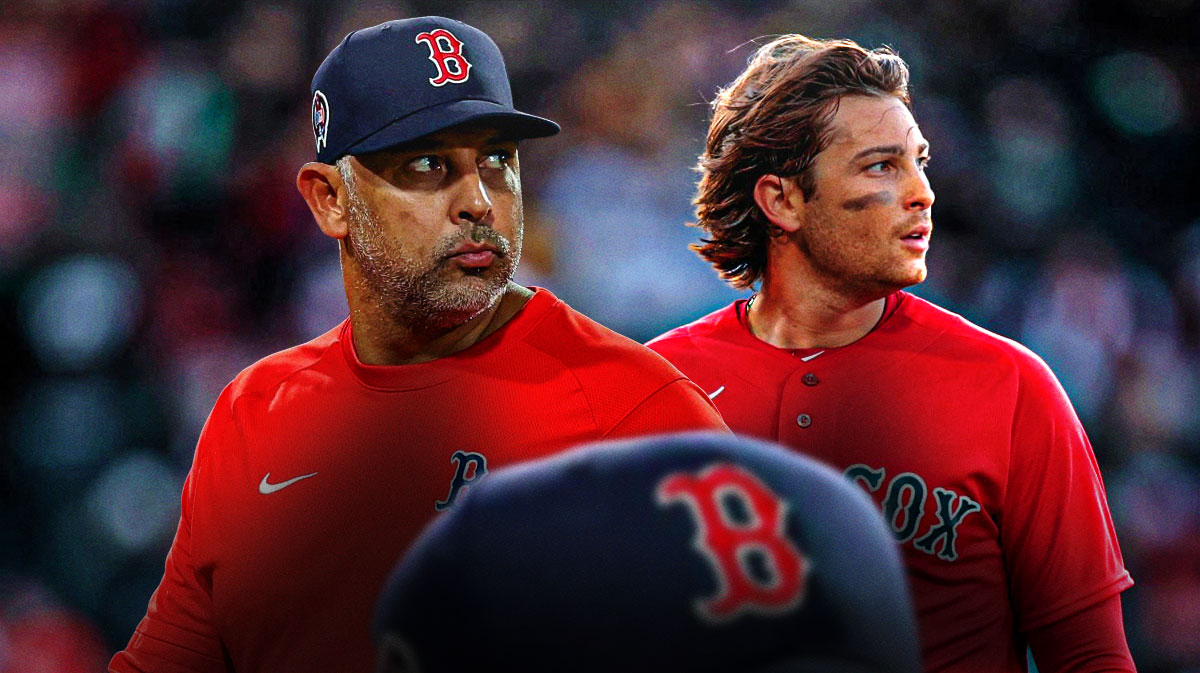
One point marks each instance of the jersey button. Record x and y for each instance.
(810, 379)
(804, 420)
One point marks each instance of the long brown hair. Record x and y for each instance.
(774, 119)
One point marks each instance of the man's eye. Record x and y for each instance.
(496, 160)
(425, 164)
(878, 167)
(923, 162)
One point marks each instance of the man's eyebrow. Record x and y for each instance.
(893, 150)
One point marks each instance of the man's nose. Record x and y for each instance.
(919, 194)
(472, 204)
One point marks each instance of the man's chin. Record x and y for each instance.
(913, 274)
(884, 286)
(467, 298)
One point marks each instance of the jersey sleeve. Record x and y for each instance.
(1092, 639)
(1060, 547)
(678, 406)
(177, 635)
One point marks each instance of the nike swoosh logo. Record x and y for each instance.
(718, 391)
(806, 358)
(267, 488)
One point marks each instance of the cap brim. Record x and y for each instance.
(511, 123)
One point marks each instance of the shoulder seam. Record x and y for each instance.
(640, 403)
(261, 390)
(569, 369)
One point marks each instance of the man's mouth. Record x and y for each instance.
(476, 259)
(918, 237)
(920, 231)
(475, 255)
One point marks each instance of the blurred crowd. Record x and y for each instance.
(152, 242)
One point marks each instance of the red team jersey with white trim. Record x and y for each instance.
(281, 572)
(966, 441)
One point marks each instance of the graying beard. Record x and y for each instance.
(411, 295)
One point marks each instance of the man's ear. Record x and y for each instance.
(320, 185)
(781, 201)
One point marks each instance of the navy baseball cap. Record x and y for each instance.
(400, 80)
(694, 552)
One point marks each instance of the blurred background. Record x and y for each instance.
(152, 243)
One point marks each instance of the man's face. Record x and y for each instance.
(436, 225)
(867, 226)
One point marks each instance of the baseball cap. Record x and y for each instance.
(400, 80)
(693, 552)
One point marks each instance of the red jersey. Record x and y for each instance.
(315, 472)
(966, 441)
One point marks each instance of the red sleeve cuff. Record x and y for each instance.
(1091, 640)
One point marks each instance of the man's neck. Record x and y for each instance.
(379, 340)
(791, 314)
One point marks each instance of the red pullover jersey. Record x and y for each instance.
(315, 472)
(966, 441)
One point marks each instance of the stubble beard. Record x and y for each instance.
(851, 265)
(431, 294)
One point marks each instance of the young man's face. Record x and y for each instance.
(436, 225)
(866, 228)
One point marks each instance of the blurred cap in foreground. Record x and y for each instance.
(692, 552)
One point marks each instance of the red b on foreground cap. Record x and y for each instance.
(691, 553)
